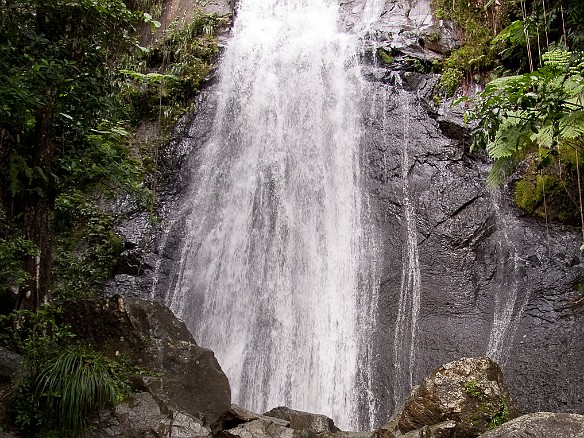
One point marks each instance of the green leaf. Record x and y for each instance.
(508, 139)
(572, 125)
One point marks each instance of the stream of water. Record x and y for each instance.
(510, 297)
(269, 276)
(406, 324)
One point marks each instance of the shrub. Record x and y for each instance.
(59, 398)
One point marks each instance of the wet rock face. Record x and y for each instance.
(151, 336)
(470, 393)
(400, 25)
(140, 416)
(541, 425)
(489, 281)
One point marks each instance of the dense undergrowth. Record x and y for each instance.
(64, 380)
(76, 85)
(530, 116)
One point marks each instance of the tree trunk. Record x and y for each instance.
(38, 210)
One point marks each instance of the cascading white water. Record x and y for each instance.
(406, 324)
(269, 273)
(510, 298)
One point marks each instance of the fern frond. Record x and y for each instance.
(544, 137)
(509, 138)
(504, 82)
(501, 170)
(572, 125)
(556, 58)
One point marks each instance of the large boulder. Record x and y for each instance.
(237, 415)
(465, 398)
(541, 425)
(147, 332)
(304, 421)
(259, 428)
(140, 416)
(280, 422)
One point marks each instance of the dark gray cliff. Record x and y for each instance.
(489, 280)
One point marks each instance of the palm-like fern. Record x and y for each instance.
(540, 110)
(76, 383)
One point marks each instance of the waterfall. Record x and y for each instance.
(270, 274)
(510, 297)
(406, 324)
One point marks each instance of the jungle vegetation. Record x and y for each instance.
(77, 80)
(530, 116)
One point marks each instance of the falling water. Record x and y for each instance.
(406, 324)
(510, 298)
(269, 273)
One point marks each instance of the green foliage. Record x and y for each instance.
(499, 417)
(74, 383)
(66, 381)
(530, 193)
(385, 56)
(494, 414)
(164, 78)
(74, 85)
(450, 80)
(471, 388)
(541, 111)
(476, 54)
(35, 335)
(14, 248)
(86, 247)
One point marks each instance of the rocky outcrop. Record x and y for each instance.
(141, 416)
(541, 425)
(489, 280)
(191, 381)
(237, 415)
(460, 399)
(299, 420)
(280, 422)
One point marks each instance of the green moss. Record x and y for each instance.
(450, 80)
(476, 55)
(530, 191)
(499, 417)
(472, 389)
(494, 413)
(385, 56)
(433, 37)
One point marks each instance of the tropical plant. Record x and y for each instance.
(55, 88)
(477, 22)
(66, 390)
(538, 115)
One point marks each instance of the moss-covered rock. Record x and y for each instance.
(469, 392)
